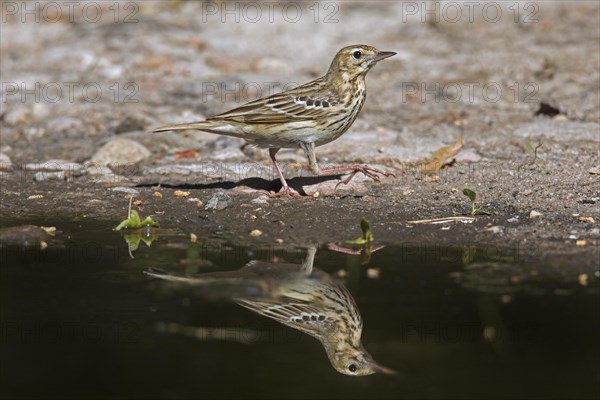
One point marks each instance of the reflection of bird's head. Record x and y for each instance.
(355, 361)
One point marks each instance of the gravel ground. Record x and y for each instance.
(520, 84)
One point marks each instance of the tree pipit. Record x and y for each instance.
(307, 116)
(303, 298)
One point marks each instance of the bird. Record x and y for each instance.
(310, 115)
(301, 297)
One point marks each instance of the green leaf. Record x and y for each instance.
(150, 222)
(134, 222)
(470, 194)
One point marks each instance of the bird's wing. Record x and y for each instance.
(296, 314)
(311, 101)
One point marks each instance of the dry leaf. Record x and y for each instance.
(186, 154)
(441, 157)
(50, 230)
(586, 219)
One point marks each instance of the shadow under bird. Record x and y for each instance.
(307, 116)
(303, 298)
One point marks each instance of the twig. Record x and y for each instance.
(465, 220)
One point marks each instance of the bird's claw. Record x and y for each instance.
(287, 191)
(369, 172)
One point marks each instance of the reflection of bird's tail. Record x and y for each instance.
(208, 278)
(217, 285)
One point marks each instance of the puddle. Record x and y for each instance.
(82, 318)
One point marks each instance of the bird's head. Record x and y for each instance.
(353, 61)
(356, 362)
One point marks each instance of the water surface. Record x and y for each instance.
(80, 319)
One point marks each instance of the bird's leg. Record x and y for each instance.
(307, 265)
(285, 189)
(309, 152)
(373, 173)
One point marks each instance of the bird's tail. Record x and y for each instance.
(200, 125)
(217, 285)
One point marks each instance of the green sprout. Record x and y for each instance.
(134, 238)
(473, 196)
(367, 235)
(134, 221)
(135, 235)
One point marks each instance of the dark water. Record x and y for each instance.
(81, 320)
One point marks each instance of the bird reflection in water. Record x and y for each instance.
(301, 297)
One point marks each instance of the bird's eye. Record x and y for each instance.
(352, 368)
(357, 55)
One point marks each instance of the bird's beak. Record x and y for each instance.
(380, 368)
(383, 54)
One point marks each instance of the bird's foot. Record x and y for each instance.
(370, 172)
(288, 192)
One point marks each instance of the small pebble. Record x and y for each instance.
(4, 158)
(506, 298)
(535, 214)
(219, 201)
(196, 200)
(373, 273)
(489, 333)
(44, 176)
(495, 229)
(262, 199)
(256, 233)
(18, 116)
(121, 152)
